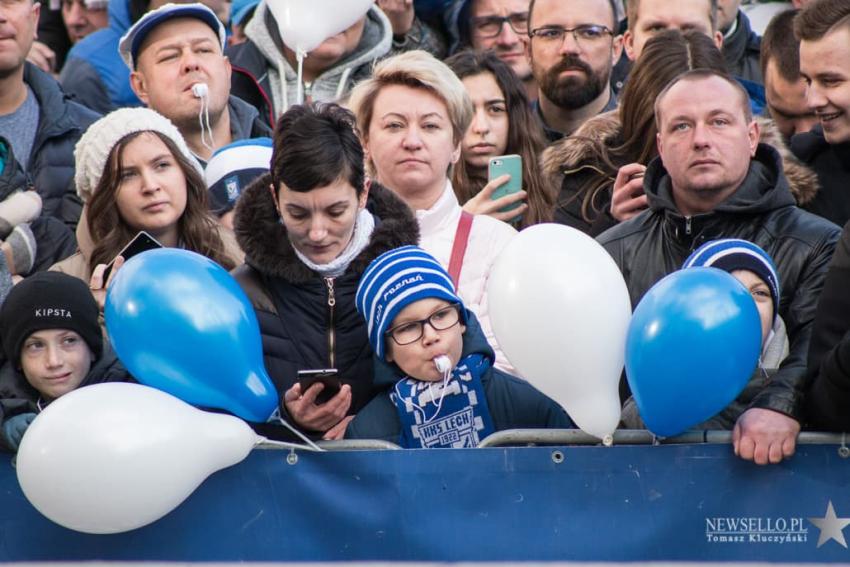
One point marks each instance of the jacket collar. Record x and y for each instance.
(442, 213)
(267, 247)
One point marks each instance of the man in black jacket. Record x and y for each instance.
(824, 30)
(714, 180)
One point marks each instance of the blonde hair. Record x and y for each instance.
(417, 70)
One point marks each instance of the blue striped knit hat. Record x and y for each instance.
(232, 168)
(731, 254)
(394, 280)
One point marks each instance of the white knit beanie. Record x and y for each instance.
(97, 142)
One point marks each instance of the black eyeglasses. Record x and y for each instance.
(491, 26)
(412, 331)
(582, 34)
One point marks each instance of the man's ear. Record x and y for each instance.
(139, 86)
(754, 134)
(616, 49)
(660, 145)
(718, 39)
(629, 45)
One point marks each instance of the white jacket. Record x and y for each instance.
(487, 238)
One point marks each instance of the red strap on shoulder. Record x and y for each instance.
(464, 226)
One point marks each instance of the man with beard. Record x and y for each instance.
(178, 68)
(572, 48)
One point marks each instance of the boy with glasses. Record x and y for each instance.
(432, 356)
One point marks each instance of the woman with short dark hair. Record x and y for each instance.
(309, 228)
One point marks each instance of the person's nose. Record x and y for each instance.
(54, 357)
(76, 16)
(700, 136)
(480, 123)
(815, 98)
(507, 36)
(430, 335)
(412, 138)
(150, 181)
(318, 230)
(570, 44)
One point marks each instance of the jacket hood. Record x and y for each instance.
(764, 188)
(375, 43)
(119, 15)
(580, 151)
(267, 247)
(242, 118)
(474, 342)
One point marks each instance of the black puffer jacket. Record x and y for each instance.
(828, 392)
(50, 165)
(831, 162)
(292, 302)
(54, 240)
(657, 242)
(741, 51)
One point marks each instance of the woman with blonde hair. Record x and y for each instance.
(412, 114)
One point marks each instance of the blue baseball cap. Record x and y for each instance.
(131, 41)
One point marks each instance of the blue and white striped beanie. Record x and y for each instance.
(731, 254)
(394, 280)
(233, 167)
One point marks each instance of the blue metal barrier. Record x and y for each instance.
(693, 502)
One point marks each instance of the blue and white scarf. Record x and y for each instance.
(449, 413)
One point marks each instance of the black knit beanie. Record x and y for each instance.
(49, 300)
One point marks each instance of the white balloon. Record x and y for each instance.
(304, 24)
(113, 457)
(560, 311)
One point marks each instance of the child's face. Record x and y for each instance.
(761, 294)
(55, 361)
(417, 358)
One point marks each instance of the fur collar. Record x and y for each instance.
(269, 251)
(580, 149)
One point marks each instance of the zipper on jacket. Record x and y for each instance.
(688, 225)
(331, 332)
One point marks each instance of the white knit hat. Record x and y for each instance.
(97, 142)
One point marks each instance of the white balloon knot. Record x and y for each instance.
(608, 440)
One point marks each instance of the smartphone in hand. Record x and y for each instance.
(510, 165)
(327, 376)
(140, 243)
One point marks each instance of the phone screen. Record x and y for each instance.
(327, 376)
(510, 165)
(140, 243)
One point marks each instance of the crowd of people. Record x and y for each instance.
(364, 224)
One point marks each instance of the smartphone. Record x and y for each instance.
(501, 165)
(140, 243)
(327, 376)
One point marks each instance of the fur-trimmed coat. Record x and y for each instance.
(298, 327)
(575, 162)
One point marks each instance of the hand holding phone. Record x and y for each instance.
(506, 165)
(140, 243)
(327, 377)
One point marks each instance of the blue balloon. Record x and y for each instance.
(692, 346)
(180, 323)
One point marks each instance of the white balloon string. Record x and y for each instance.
(310, 444)
(299, 97)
